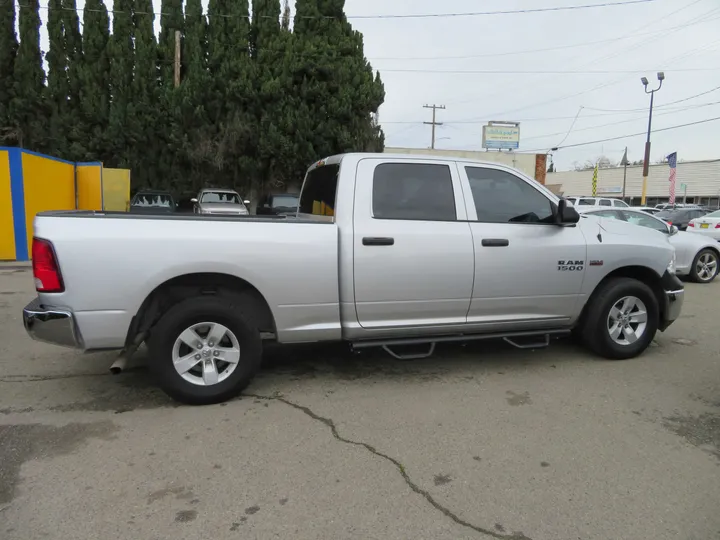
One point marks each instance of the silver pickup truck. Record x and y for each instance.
(386, 250)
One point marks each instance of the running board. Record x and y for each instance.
(509, 337)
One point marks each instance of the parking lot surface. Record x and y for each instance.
(481, 441)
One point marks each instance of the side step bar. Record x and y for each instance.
(542, 340)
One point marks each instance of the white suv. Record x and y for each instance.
(587, 203)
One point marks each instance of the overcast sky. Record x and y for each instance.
(679, 37)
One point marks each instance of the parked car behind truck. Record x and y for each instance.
(387, 250)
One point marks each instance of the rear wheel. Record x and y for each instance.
(705, 266)
(205, 349)
(621, 319)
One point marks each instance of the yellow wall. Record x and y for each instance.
(89, 186)
(49, 184)
(116, 189)
(7, 229)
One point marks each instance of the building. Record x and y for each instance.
(697, 182)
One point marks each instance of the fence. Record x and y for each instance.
(31, 183)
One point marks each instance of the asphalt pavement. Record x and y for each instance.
(480, 441)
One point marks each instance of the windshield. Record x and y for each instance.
(152, 199)
(285, 201)
(220, 197)
(671, 214)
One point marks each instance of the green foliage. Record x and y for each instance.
(257, 103)
(8, 50)
(27, 107)
(94, 76)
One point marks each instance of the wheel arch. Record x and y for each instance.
(643, 274)
(178, 288)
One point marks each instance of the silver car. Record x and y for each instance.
(220, 201)
(696, 256)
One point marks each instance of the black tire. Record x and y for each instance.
(595, 332)
(226, 309)
(694, 275)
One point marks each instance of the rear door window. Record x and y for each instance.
(586, 202)
(605, 202)
(319, 190)
(413, 191)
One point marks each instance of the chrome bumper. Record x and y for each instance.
(51, 325)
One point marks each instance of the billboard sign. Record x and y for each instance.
(501, 136)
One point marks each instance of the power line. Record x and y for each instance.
(540, 50)
(627, 136)
(692, 21)
(636, 119)
(542, 71)
(392, 16)
(659, 106)
(550, 118)
(571, 127)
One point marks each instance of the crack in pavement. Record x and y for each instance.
(36, 378)
(400, 467)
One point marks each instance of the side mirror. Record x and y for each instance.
(566, 213)
(246, 202)
(193, 200)
(673, 230)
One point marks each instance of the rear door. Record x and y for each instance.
(413, 251)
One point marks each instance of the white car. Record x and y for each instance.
(583, 204)
(696, 257)
(707, 225)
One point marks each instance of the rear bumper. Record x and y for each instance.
(51, 325)
(674, 297)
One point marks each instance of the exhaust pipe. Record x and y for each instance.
(118, 366)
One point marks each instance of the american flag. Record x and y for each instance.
(672, 162)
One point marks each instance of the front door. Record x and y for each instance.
(527, 269)
(413, 251)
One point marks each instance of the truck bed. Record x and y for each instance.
(112, 261)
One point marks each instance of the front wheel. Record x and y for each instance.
(622, 319)
(705, 266)
(205, 349)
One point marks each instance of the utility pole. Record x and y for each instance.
(624, 164)
(433, 123)
(177, 58)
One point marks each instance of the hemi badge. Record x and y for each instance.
(596, 263)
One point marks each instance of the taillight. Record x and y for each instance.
(45, 267)
(669, 222)
(717, 226)
(691, 224)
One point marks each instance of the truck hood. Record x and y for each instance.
(644, 235)
(223, 208)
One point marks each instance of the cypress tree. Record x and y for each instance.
(57, 81)
(122, 59)
(8, 50)
(286, 15)
(95, 81)
(337, 81)
(195, 131)
(143, 111)
(231, 92)
(27, 107)
(71, 113)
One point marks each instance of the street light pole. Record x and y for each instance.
(646, 161)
